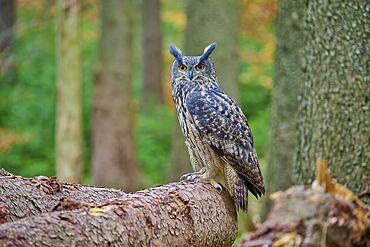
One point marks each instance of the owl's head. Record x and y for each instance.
(193, 68)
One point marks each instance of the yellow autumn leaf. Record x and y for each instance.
(325, 181)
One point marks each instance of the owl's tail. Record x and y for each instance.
(241, 194)
(237, 188)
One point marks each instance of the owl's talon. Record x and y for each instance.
(184, 177)
(217, 186)
(193, 176)
(190, 177)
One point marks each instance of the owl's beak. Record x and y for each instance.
(189, 74)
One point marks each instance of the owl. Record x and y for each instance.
(217, 135)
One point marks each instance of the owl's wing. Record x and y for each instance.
(222, 124)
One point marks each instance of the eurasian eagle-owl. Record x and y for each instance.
(216, 132)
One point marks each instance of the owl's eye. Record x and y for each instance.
(199, 67)
(182, 67)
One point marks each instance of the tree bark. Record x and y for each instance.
(22, 198)
(68, 139)
(113, 155)
(7, 21)
(284, 105)
(334, 108)
(179, 214)
(209, 21)
(7, 27)
(152, 92)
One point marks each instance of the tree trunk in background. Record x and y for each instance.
(209, 21)
(179, 157)
(152, 56)
(7, 23)
(216, 21)
(334, 109)
(113, 154)
(68, 146)
(284, 107)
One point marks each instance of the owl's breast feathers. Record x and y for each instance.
(223, 126)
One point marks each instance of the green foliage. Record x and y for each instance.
(260, 129)
(28, 108)
(153, 139)
(31, 103)
(255, 103)
(253, 99)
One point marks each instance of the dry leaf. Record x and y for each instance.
(332, 187)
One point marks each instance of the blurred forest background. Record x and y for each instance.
(29, 92)
(85, 90)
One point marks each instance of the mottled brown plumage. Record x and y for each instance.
(216, 132)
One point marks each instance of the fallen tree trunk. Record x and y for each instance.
(24, 197)
(179, 214)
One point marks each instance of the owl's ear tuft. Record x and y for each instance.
(207, 52)
(176, 53)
